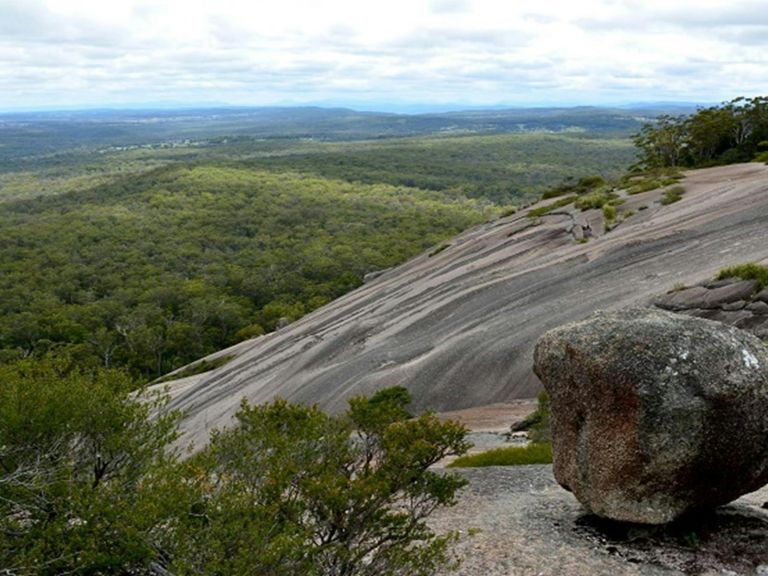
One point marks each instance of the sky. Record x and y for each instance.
(379, 55)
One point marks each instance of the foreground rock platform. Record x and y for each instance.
(529, 526)
(655, 414)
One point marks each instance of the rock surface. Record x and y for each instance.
(458, 328)
(655, 414)
(732, 301)
(526, 525)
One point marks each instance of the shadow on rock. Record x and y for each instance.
(730, 539)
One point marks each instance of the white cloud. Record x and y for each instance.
(61, 52)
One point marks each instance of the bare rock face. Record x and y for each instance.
(655, 414)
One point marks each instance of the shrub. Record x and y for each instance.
(89, 484)
(536, 212)
(81, 465)
(537, 422)
(199, 367)
(638, 182)
(748, 271)
(250, 331)
(609, 214)
(291, 490)
(645, 185)
(672, 195)
(590, 182)
(507, 456)
(539, 431)
(508, 211)
(596, 199)
(582, 186)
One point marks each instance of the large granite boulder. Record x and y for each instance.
(655, 414)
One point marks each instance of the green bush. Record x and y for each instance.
(537, 422)
(748, 271)
(638, 182)
(507, 456)
(199, 367)
(89, 483)
(582, 186)
(609, 214)
(672, 195)
(536, 212)
(291, 490)
(595, 200)
(645, 185)
(82, 470)
(539, 431)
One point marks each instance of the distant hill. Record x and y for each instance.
(32, 135)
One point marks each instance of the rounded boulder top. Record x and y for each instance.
(655, 414)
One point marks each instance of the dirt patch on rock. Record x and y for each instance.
(494, 417)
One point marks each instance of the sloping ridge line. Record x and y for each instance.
(458, 328)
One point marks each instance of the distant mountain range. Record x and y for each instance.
(90, 130)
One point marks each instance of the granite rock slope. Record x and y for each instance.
(458, 328)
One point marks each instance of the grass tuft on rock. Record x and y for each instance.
(672, 195)
(748, 271)
(536, 212)
(196, 368)
(507, 456)
(439, 249)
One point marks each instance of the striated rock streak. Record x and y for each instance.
(458, 328)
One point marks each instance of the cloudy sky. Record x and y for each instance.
(379, 54)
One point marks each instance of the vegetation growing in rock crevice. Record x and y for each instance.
(672, 195)
(543, 210)
(748, 271)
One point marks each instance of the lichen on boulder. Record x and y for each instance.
(655, 414)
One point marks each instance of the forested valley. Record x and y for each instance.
(146, 251)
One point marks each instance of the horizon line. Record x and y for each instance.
(398, 108)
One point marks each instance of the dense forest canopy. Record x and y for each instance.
(166, 267)
(151, 255)
(736, 131)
